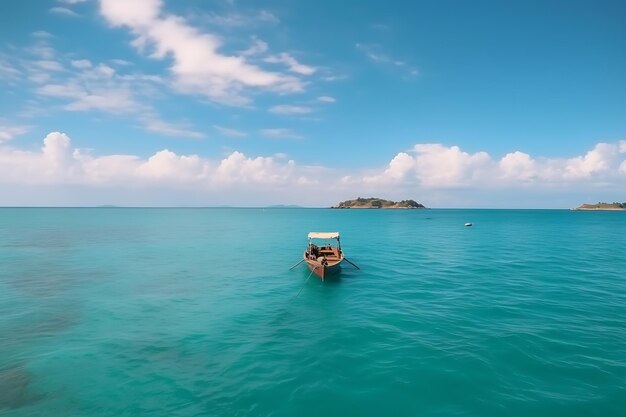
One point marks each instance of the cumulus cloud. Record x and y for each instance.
(168, 166)
(57, 162)
(239, 169)
(198, 65)
(439, 166)
(52, 164)
(599, 159)
(435, 165)
(518, 165)
(424, 172)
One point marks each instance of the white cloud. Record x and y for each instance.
(439, 166)
(279, 133)
(198, 66)
(80, 85)
(106, 97)
(427, 171)
(42, 50)
(49, 65)
(268, 17)
(8, 71)
(9, 132)
(599, 159)
(237, 168)
(334, 77)
(233, 133)
(238, 20)
(326, 99)
(58, 163)
(38, 62)
(121, 62)
(518, 165)
(81, 63)
(257, 47)
(42, 34)
(166, 165)
(154, 124)
(52, 164)
(291, 63)
(290, 109)
(63, 11)
(374, 53)
(108, 169)
(99, 87)
(435, 165)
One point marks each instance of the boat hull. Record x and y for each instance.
(323, 271)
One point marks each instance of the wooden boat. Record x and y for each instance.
(326, 259)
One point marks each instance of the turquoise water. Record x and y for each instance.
(193, 312)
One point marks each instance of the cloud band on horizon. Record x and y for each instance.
(425, 168)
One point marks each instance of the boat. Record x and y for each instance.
(326, 259)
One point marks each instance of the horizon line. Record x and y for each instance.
(275, 206)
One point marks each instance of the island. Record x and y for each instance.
(378, 203)
(603, 206)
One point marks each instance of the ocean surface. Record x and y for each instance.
(194, 312)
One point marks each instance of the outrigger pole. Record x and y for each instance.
(351, 263)
(301, 260)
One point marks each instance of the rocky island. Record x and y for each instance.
(378, 203)
(602, 206)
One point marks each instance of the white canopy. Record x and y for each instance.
(323, 235)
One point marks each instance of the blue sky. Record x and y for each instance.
(451, 103)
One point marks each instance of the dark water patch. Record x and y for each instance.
(30, 327)
(52, 278)
(41, 282)
(16, 388)
(55, 323)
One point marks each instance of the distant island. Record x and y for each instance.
(602, 206)
(378, 203)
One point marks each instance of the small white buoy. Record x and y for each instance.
(468, 224)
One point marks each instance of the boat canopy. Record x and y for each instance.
(324, 235)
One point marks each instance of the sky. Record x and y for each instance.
(481, 104)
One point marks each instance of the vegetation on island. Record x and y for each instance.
(379, 203)
(602, 206)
